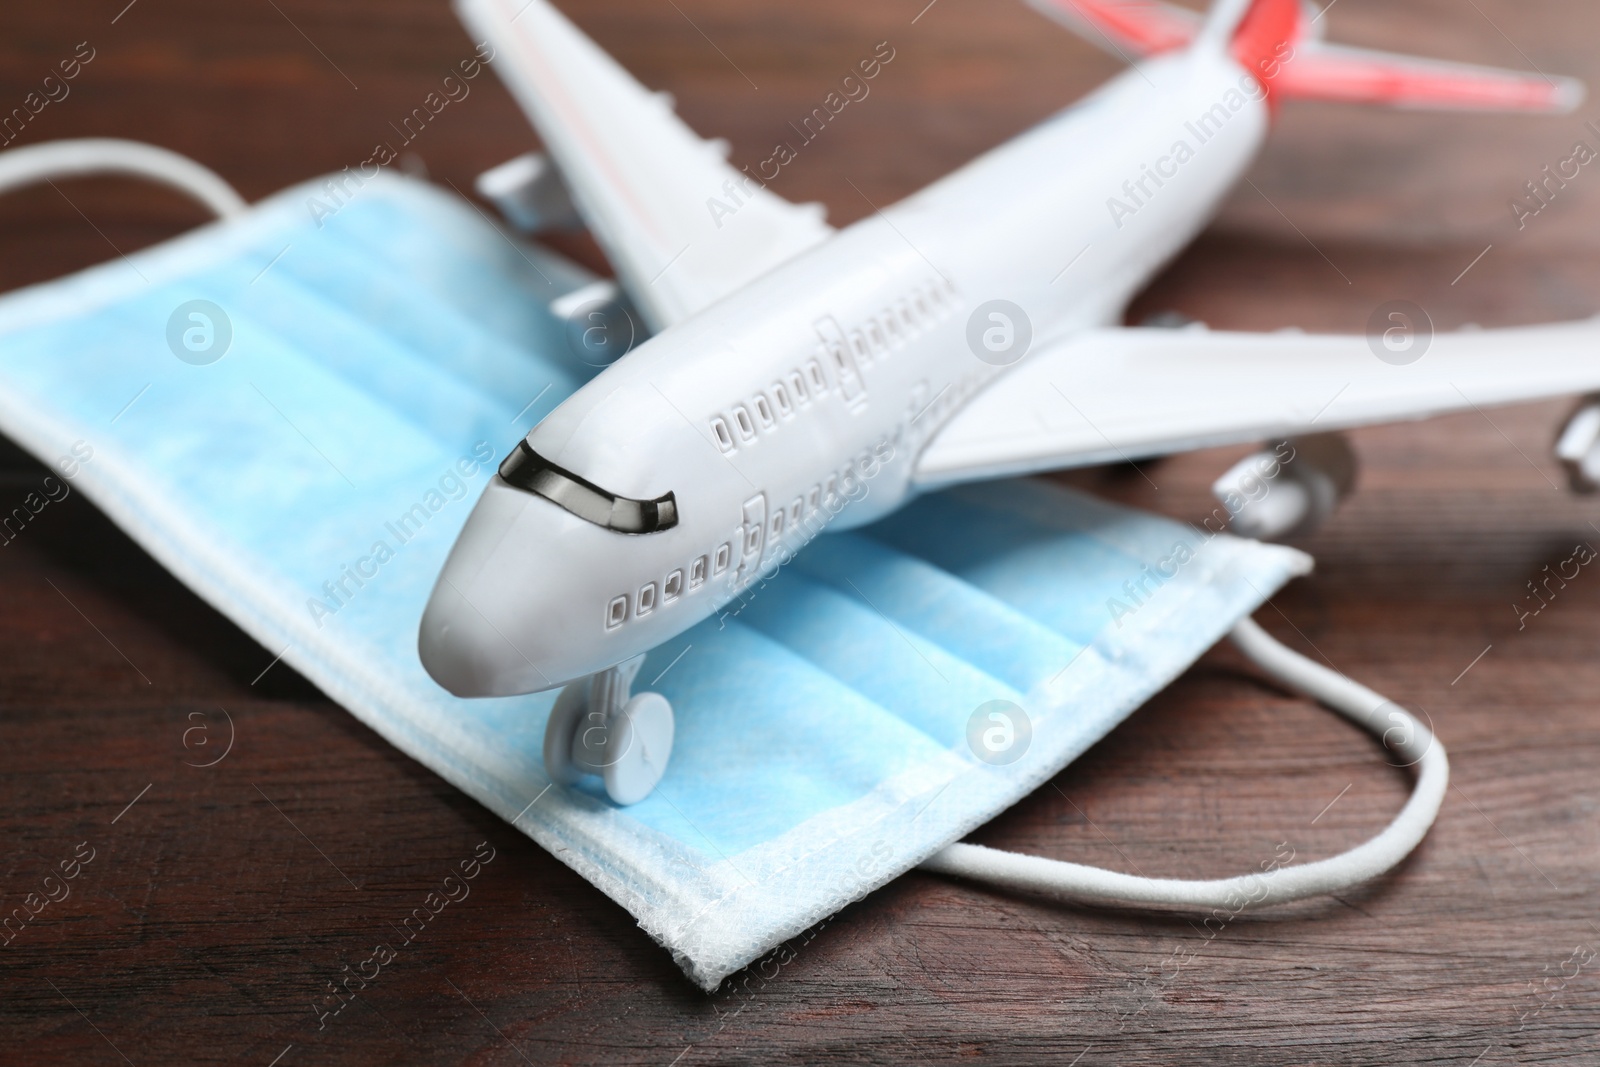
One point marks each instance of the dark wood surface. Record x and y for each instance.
(219, 903)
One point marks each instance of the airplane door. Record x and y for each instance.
(753, 538)
(842, 359)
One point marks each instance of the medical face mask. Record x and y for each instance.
(294, 413)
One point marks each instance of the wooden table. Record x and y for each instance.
(220, 900)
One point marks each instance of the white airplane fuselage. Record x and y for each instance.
(801, 401)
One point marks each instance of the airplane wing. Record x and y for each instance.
(680, 225)
(1120, 394)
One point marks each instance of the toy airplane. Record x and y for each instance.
(800, 377)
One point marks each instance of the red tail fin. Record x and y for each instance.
(1276, 40)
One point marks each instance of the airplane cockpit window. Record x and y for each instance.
(525, 469)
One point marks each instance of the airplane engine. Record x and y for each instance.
(1290, 490)
(1578, 446)
(530, 192)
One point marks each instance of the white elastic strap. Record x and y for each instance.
(1402, 734)
(110, 155)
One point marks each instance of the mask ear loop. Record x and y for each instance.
(109, 155)
(1400, 732)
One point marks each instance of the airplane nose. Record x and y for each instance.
(471, 639)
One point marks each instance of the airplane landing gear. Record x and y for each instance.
(598, 728)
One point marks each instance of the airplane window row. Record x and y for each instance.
(895, 326)
(923, 307)
(783, 520)
(638, 605)
(806, 505)
(797, 389)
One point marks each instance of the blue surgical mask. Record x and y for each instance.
(295, 412)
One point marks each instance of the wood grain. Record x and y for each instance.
(219, 903)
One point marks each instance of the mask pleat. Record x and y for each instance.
(897, 668)
(443, 338)
(451, 403)
(433, 244)
(761, 719)
(1003, 551)
(924, 598)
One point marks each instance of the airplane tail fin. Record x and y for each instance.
(1280, 42)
